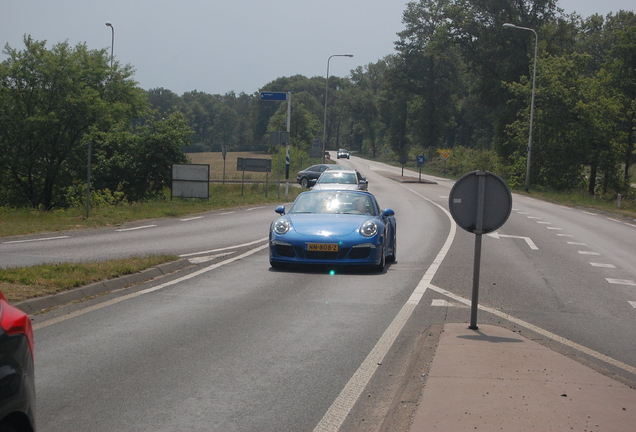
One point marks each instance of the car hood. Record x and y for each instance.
(326, 224)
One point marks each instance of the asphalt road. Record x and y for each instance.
(233, 345)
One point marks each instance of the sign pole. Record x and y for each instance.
(479, 226)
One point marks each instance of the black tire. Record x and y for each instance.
(304, 182)
(391, 258)
(380, 267)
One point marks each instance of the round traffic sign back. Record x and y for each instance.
(480, 198)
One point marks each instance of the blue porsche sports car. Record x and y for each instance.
(333, 227)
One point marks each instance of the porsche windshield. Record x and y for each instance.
(330, 202)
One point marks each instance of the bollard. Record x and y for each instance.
(619, 201)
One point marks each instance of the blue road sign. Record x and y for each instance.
(421, 159)
(273, 96)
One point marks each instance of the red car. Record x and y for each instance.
(17, 380)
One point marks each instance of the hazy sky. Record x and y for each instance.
(232, 45)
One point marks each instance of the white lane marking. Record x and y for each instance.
(523, 213)
(199, 260)
(544, 222)
(602, 265)
(621, 281)
(553, 336)
(35, 240)
(614, 220)
(192, 218)
(136, 228)
(255, 208)
(440, 302)
(631, 225)
(578, 243)
(146, 291)
(341, 407)
(227, 213)
(589, 253)
(528, 240)
(565, 235)
(554, 228)
(633, 303)
(591, 214)
(533, 217)
(223, 249)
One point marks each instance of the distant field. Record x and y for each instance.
(215, 160)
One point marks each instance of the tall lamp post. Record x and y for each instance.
(324, 123)
(112, 44)
(534, 81)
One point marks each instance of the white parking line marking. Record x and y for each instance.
(192, 218)
(136, 228)
(621, 281)
(578, 243)
(35, 240)
(588, 253)
(602, 265)
(633, 303)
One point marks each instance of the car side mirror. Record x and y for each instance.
(280, 210)
(388, 212)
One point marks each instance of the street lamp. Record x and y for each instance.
(112, 45)
(324, 123)
(534, 81)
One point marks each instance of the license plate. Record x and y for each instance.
(322, 247)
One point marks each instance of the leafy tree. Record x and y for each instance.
(49, 101)
(575, 128)
(139, 163)
(621, 63)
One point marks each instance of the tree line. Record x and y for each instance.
(458, 81)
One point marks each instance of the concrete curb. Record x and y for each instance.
(35, 305)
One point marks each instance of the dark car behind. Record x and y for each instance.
(307, 177)
(17, 380)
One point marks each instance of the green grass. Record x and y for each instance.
(21, 283)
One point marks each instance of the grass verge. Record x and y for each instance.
(22, 283)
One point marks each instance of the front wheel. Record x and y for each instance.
(391, 258)
(380, 266)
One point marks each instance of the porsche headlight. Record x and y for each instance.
(281, 226)
(369, 229)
